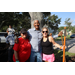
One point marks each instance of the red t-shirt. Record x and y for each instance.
(23, 49)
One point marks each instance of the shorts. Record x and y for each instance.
(49, 58)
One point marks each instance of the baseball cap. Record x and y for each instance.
(23, 30)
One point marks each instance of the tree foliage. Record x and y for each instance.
(20, 20)
(73, 29)
(16, 19)
(52, 21)
(68, 23)
(62, 28)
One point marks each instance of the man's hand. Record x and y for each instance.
(60, 33)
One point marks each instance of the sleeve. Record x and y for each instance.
(28, 32)
(28, 35)
(8, 29)
(13, 30)
(55, 36)
(16, 47)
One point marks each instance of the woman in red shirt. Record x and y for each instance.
(22, 49)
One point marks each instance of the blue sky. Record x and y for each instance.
(64, 15)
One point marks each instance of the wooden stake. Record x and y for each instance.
(62, 40)
(62, 45)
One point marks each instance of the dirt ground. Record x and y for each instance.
(4, 55)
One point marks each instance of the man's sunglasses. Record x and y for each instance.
(45, 31)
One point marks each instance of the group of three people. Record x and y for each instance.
(39, 46)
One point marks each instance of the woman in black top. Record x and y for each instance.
(47, 47)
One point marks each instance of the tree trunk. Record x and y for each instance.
(36, 16)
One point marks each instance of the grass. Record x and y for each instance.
(59, 38)
(59, 53)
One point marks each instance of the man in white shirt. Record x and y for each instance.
(10, 40)
(10, 30)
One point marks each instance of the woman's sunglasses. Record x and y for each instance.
(45, 31)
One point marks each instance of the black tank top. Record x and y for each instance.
(47, 47)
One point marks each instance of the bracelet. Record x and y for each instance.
(17, 61)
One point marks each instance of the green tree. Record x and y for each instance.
(60, 28)
(16, 19)
(20, 20)
(73, 29)
(68, 23)
(52, 21)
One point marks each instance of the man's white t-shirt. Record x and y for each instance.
(11, 31)
(10, 39)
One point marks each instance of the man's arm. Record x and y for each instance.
(55, 36)
(28, 35)
(7, 31)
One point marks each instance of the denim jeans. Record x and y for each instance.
(35, 55)
(10, 53)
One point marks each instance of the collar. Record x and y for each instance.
(38, 30)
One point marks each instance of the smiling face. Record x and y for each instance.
(36, 24)
(45, 32)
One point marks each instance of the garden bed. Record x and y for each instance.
(70, 57)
